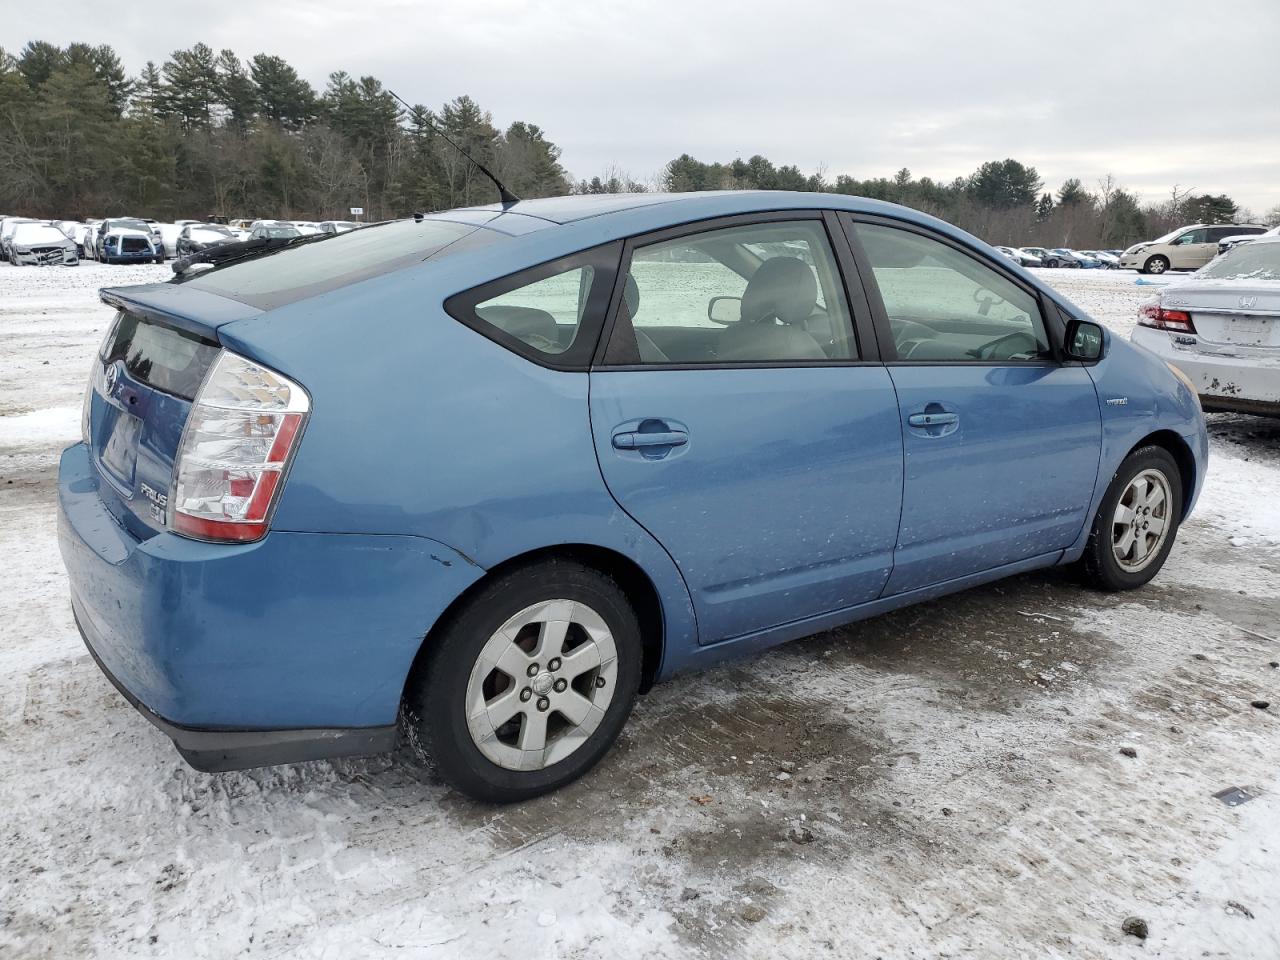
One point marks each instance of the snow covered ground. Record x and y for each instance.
(946, 781)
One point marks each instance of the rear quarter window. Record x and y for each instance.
(551, 313)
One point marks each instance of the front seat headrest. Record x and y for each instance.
(783, 288)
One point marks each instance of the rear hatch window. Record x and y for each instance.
(140, 393)
(296, 272)
(166, 358)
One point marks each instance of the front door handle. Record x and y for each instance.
(933, 419)
(634, 440)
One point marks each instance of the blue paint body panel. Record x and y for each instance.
(294, 631)
(1012, 479)
(803, 499)
(784, 502)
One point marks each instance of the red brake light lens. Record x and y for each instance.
(242, 431)
(1154, 315)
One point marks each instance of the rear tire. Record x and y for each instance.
(487, 701)
(1156, 265)
(1136, 522)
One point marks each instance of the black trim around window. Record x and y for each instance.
(864, 338)
(604, 263)
(1050, 317)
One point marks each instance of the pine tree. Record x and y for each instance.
(284, 98)
(192, 90)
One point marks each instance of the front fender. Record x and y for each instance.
(1138, 396)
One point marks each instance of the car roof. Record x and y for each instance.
(678, 208)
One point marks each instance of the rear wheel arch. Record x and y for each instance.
(1182, 456)
(628, 574)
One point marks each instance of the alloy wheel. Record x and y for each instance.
(1141, 520)
(541, 685)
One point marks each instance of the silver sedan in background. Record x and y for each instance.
(1221, 328)
(41, 244)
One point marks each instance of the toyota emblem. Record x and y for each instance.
(113, 374)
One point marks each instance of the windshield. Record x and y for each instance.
(314, 266)
(37, 233)
(1248, 261)
(1168, 236)
(128, 225)
(279, 232)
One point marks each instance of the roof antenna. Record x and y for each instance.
(507, 196)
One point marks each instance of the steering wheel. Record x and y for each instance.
(988, 350)
(985, 303)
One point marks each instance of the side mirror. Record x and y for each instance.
(724, 310)
(1084, 341)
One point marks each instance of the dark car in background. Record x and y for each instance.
(201, 236)
(274, 230)
(1053, 258)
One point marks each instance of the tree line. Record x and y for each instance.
(207, 133)
(1003, 201)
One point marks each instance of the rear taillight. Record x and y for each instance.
(241, 433)
(1154, 315)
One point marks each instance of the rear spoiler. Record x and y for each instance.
(186, 308)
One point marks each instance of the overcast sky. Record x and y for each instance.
(1174, 92)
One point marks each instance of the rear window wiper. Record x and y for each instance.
(225, 254)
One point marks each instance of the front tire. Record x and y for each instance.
(1156, 265)
(527, 685)
(1136, 522)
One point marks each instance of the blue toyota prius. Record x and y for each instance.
(485, 475)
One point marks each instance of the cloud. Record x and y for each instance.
(1185, 95)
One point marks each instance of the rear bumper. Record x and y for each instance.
(291, 648)
(1244, 384)
(217, 751)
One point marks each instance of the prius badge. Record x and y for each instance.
(1117, 401)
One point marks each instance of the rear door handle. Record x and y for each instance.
(933, 419)
(634, 440)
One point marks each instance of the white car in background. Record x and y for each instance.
(344, 226)
(1108, 260)
(1020, 256)
(1221, 328)
(1226, 243)
(169, 236)
(307, 228)
(40, 245)
(7, 226)
(85, 238)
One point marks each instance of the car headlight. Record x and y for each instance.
(1186, 381)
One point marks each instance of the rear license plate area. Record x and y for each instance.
(1245, 330)
(120, 453)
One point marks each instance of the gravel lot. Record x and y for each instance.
(946, 781)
